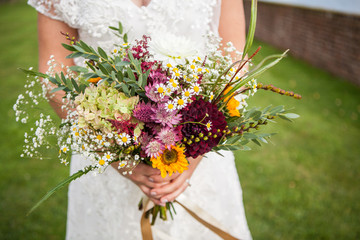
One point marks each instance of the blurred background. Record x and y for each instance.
(302, 185)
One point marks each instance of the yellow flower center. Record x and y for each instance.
(169, 156)
(192, 66)
(171, 80)
(77, 134)
(174, 84)
(108, 156)
(170, 106)
(180, 102)
(99, 137)
(124, 139)
(177, 74)
(102, 162)
(196, 89)
(160, 90)
(187, 93)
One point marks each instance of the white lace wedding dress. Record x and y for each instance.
(105, 206)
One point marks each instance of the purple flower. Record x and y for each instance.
(144, 112)
(157, 76)
(169, 136)
(166, 118)
(154, 148)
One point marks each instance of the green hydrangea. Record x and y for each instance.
(100, 103)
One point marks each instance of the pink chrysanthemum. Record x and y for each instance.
(166, 118)
(169, 136)
(154, 148)
(144, 112)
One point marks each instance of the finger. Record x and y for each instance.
(146, 191)
(172, 196)
(172, 177)
(168, 188)
(159, 179)
(144, 180)
(148, 170)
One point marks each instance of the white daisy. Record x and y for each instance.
(170, 106)
(124, 139)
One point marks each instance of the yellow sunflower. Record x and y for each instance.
(170, 161)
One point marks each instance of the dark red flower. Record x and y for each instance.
(201, 111)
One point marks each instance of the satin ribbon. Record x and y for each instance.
(195, 211)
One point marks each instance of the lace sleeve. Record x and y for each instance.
(47, 7)
(63, 10)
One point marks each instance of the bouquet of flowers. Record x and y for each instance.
(146, 102)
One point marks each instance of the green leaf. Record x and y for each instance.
(78, 69)
(75, 85)
(57, 187)
(68, 47)
(102, 53)
(34, 73)
(120, 65)
(284, 118)
(256, 115)
(120, 28)
(277, 109)
(291, 115)
(103, 69)
(130, 74)
(256, 142)
(57, 89)
(86, 47)
(120, 76)
(252, 26)
(75, 55)
(90, 65)
(125, 38)
(78, 48)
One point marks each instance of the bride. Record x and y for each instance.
(105, 206)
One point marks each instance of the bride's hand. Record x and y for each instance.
(177, 183)
(143, 176)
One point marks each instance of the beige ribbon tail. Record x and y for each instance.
(200, 217)
(196, 212)
(145, 222)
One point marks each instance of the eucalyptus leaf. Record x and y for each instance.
(78, 69)
(57, 89)
(291, 115)
(102, 53)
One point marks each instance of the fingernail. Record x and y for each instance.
(164, 200)
(151, 180)
(152, 193)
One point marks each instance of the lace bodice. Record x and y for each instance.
(191, 18)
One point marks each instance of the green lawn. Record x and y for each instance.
(303, 185)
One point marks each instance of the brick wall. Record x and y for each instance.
(330, 41)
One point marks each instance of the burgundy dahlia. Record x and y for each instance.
(196, 112)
